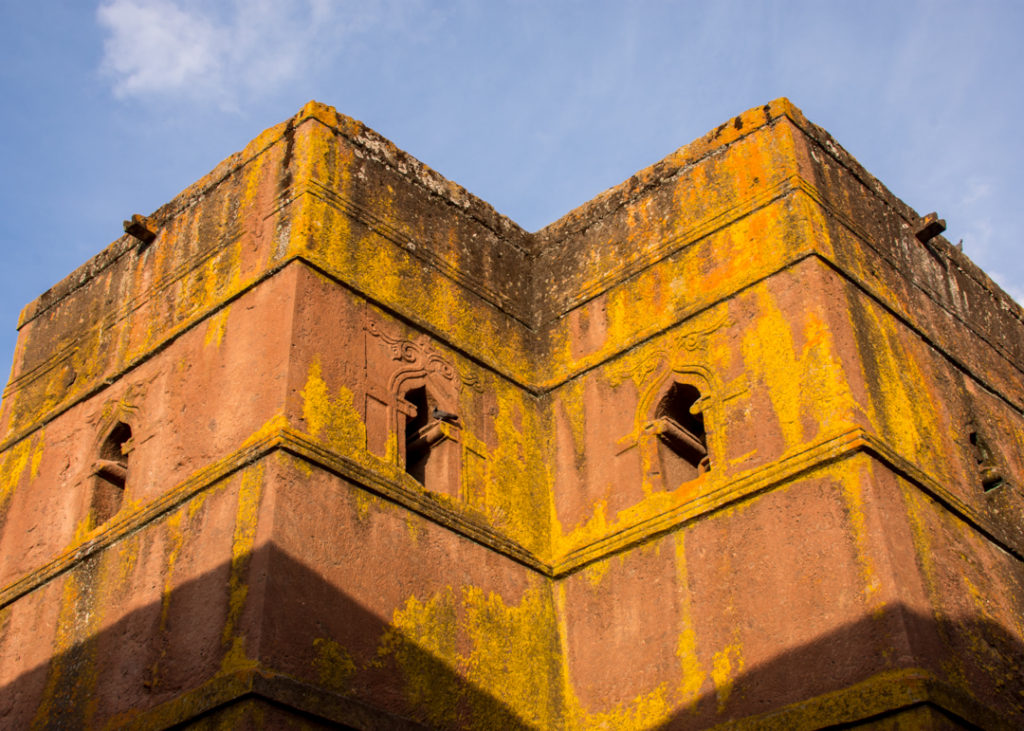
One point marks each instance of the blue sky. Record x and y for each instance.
(111, 108)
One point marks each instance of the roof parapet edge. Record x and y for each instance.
(375, 144)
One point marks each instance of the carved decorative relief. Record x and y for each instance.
(420, 414)
(417, 352)
(676, 350)
(420, 354)
(677, 411)
(123, 409)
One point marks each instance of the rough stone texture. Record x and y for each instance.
(289, 539)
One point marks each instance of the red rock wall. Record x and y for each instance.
(298, 540)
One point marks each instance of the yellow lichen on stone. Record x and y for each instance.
(571, 399)
(851, 478)
(686, 648)
(334, 420)
(647, 711)
(505, 651)
(901, 399)
(175, 541)
(596, 571)
(823, 380)
(69, 695)
(334, 664)
(23, 457)
(514, 656)
(422, 639)
(216, 326)
(250, 491)
(726, 665)
(519, 477)
(771, 360)
(270, 428)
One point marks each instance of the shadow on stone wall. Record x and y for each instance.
(962, 675)
(133, 673)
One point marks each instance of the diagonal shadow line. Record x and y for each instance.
(165, 665)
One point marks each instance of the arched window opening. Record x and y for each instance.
(682, 440)
(432, 451)
(111, 474)
(417, 428)
(988, 466)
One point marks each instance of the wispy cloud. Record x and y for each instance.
(156, 46)
(221, 51)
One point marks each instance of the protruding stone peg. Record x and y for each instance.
(143, 228)
(929, 227)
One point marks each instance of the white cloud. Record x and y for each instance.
(156, 46)
(223, 51)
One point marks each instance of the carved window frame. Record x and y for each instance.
(653, 429)
(440, 392)
(110, 472)
(432, 432)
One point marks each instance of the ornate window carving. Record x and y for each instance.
(416, 407)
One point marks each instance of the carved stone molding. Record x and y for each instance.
(420, 354)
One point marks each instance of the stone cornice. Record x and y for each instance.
(403, 490)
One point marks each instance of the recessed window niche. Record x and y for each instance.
(431, 443)
(681, 437)
(110, 474)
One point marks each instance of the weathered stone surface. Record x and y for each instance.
(732, 445)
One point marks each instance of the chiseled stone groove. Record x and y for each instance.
(866, 240)
(880, 695)
(184, 201)
(279, 688)
(316, 189)
(742, 487)
(701, 228)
